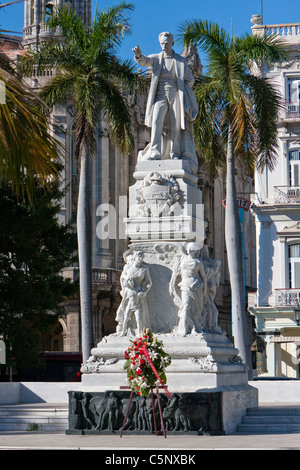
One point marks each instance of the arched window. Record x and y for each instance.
(57, 338)
(48, 10)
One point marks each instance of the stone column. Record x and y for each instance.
(26, 10)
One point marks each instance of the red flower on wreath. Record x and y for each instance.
(145, 363)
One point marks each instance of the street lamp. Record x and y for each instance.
(297, 314)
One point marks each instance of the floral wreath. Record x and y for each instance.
(145, 363)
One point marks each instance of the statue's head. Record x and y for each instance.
(138, 257)
(166, 41)
(128, 257)
(193, 248)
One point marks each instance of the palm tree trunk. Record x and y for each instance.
(84, 255)
(233, 238)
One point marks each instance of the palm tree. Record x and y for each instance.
(88, 73)
(237, 124)
(28, 150)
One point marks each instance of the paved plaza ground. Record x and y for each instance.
(109, 444)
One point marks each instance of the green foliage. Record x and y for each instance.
(28, 150)
(34, 248)
(32, 427)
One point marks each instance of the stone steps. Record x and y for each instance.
(271, 420)
(47, 418)
(37, 417)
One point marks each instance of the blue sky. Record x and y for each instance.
(151, 17)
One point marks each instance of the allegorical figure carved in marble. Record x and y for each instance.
(135, 283)
(210, 311)
(171, 106)
(192, 286)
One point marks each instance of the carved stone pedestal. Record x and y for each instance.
(202, 360)
(165, 203)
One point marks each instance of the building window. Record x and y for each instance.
(57, 338)
(48, 10)
(293, 97)
(294, 265)
(294, 158)
(293, 89)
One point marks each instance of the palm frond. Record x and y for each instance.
(28, 150)
(59, 89)
(110, 27)
(123, 71)
(268, 48)
(207, 35)
(266, 104)
(244, 133)
(208, 128)
(116, 111)
(71, 26)
(86, 96)
(49, 55)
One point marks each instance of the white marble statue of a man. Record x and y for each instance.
(171, 105)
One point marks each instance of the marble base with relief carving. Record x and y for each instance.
(204, 366)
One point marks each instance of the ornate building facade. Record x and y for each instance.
(277, 217)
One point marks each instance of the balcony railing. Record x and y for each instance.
(42, 29)
(287, 194)
(99, 276)
(289, 32)
(28, 31)
(292, 110)
(47, 72)
(287, 297)
(283, 30)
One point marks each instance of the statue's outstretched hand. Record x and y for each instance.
(137, 51)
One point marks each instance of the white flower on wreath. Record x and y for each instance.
(162, 363)
(153, 355)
